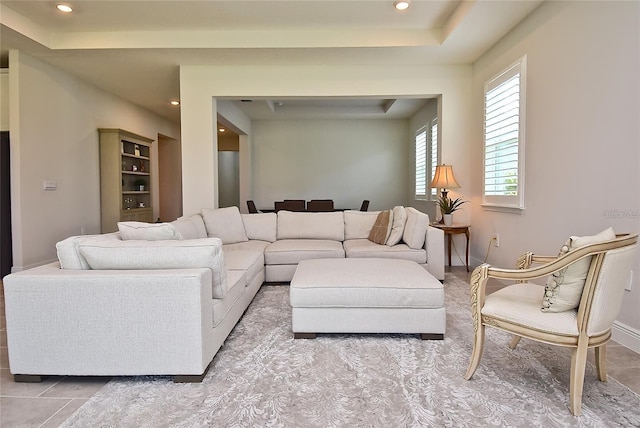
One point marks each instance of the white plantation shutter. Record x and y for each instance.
(434, 155)
(504, 138)
(421, 163)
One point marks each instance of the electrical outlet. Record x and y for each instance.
(628, 287)
(496, 240)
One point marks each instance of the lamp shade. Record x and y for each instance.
(443, 178)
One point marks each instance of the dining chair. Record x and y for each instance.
(604, 268)
(252, 207)
(320, 205)
(295, 204)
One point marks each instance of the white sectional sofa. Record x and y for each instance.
(160, 299)
(289, 237)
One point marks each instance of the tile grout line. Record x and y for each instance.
(52, 385)
(58, 411)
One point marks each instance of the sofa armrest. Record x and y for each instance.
(434, 244)
(118, 322)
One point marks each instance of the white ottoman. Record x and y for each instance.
(370, 295)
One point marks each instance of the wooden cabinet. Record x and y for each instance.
(125, 178)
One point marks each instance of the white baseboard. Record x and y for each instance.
(626, 336)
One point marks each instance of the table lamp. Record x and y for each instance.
(443, 178)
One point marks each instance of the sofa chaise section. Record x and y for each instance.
(113, 307)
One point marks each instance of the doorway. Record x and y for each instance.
(228, 167)
(169, 178)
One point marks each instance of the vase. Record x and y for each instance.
(448, 219)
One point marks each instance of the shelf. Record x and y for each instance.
(135, 192)
(136, 172)
(131, 155)
(137, 209)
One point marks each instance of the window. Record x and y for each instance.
(504, 102)
(426, 160)
(434, 155)
(421, 163)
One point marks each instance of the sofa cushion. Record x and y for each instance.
(415, 229)
(397, 228)
(237, 281)
(381, 228)
(304, 225)
(68, 254)
(261, 226)
(358, 224)
(291, 251)
(564, 288)
(250, 262)
(145, 255)
(191, 227)
(253, 245)
(363, 248)
(137, 230)
(225, 223)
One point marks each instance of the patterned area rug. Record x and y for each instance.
(262, 377)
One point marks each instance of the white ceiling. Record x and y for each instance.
(134, 48)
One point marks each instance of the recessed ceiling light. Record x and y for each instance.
(175, 103)
(64, 8)
(401, 4)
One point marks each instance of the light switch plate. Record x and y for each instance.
(49, 185)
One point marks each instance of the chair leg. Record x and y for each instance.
(514, 341)
(601, 362)
(578, 364)
(478, 345)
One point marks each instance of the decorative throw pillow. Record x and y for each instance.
(226, 224)
(397, 228)
(358, 224)
(382, 227)
(191, 227)
(415, 229)
(136, 230)
(261, 226)
(564, 288)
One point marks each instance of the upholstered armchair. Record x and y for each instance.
(527, 310)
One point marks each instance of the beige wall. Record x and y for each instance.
(582, 134)
(200, 85)
(54, 121)
(343, 160)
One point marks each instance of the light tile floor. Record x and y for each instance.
(51, 402)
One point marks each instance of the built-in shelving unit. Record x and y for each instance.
(125, 178)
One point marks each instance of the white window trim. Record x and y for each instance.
(433, 123)
(420, 197)
(506, 203)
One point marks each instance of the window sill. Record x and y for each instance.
(503, 208)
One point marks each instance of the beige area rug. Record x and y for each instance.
(264, 378)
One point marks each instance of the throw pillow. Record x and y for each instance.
(358, 224)
(382, 227)
(226, 224)
(136, 230)
(69, 255)
(261, 226)
(186, 228)
(196, 224)
(102, 254)
(563, 290)
(415, 229)
(397, 228)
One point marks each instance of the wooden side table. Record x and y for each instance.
(454, 229)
